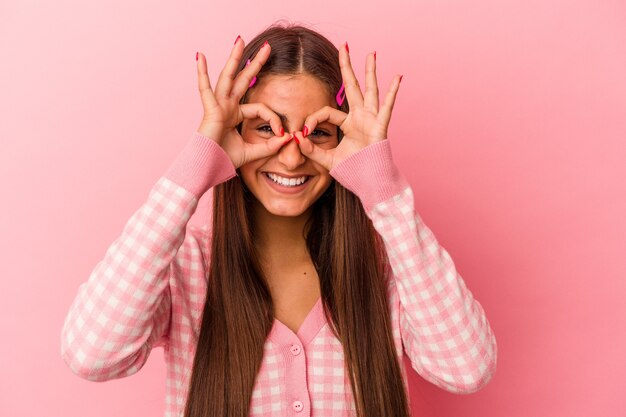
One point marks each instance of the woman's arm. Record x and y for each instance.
(123, 310)
(444, 330)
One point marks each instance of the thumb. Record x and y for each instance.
(314, 152)
(266, 148)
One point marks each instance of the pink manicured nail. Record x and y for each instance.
(282, 131)
(347, 49)
(374, 55)
(305, 131)
(296, 138)
(196, 56)
(266, 42)
(238, 36)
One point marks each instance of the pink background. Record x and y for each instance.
(510, 124)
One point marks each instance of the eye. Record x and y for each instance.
(319, 136)
(265, 129)
(320, 133)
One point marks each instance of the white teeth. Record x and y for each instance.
(288, 182)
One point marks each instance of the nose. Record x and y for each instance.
(290, 156)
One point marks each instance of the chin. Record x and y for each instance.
(286, 211)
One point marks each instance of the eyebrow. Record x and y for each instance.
(283, 118)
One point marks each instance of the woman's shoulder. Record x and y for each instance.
(197, 241)
(202, 234)
(193, 256)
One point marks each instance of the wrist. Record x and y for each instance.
(211, 131)
(383, 181)
(201, 165)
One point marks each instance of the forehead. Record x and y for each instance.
(295, 96)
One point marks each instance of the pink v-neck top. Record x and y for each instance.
(149, 291)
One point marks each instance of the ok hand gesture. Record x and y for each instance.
(363, 125)
(222, 111)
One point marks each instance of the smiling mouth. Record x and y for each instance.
(288, 182)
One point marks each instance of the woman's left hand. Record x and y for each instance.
(363, 125)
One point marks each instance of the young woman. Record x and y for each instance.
(315, 274)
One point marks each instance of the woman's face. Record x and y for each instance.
(294, 97)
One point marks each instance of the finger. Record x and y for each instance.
(253, 151)
(242, 82)
(326, 113)
(385, 111)
(322, 156)
(225, 79)
(352, 88)
(204, 85)
(260, 110)
(371, 84)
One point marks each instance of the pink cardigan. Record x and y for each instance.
(149, 291)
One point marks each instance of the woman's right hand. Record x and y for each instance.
(222, 111)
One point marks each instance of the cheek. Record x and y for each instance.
(253, 136)
(246, 133)
(329, 143)
(245, 171)
(325, 182)
(249, 134)
(250, 170)
(321, 170)
(325, 177)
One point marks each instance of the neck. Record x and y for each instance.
(281, 237)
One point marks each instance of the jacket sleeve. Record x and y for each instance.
(444, 330)
(123, 309)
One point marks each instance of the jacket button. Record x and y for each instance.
(295, 350)
(298, 406)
